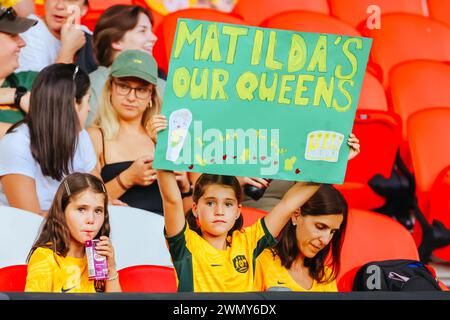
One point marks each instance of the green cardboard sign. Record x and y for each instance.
(258, 102)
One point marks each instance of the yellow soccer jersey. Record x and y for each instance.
(270, 275)
(49, 272)
(202, 268)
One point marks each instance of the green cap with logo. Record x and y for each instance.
(135, 63)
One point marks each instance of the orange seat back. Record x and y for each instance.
(355, 11)
(309, 22)
(439, 10)
(416, 85)
(146, 278)
(405, 37)
(372, 94)
(379, 134)
(251, 215)
(428, 135)
(439, 208)
(255, 13)
(13, 278)
(370, 236)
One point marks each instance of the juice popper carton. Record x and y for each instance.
(97, 264)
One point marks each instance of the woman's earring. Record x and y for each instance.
(294, 224)
(150, 104)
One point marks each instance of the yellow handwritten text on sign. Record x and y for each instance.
(284, 82)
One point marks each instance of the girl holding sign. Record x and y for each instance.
(213, 253)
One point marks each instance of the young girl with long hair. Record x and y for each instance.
(57, 260)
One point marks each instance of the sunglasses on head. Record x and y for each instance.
(9, 13)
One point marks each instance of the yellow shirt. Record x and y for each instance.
(270, 275)
(49, 272)
(202, 268)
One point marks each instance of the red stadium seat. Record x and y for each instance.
(309, 22)
(379, 135)
(157, 17)
(440, 10)
(411, 91)
(13, 278)
(439, 208)
(428, 135)
(254, 13)
(370, 236)
(405, 37)
(102, 5)
(96, 8)
(166, 30)
(355, 11)
(372, 95)
(146, 278)
(251, 215)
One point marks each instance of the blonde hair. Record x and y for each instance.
(108, 119)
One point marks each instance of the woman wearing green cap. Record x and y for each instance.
(121, 140)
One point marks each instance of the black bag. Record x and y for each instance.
(395, 275)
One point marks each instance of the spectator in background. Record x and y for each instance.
(119, 28)
(37, 153)
(298, 261)
(58, 37)
(122, 142)
(14, 87)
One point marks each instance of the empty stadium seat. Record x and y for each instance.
(370, 236)
(254, 13)
(428, 136)
(138, 238)
(251, 215)
(166, 30)
(18, 231)
(13, 278)
(355, 11)
(406, 37)
(439, 208)
(372, 94)
(309, 22)
(379, 134)
(439, 10)
(148, 278)
(416, 85)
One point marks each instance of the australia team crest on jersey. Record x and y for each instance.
(240, 264)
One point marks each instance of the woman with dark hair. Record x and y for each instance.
(120, 28)
(50, 143)
(299, 261)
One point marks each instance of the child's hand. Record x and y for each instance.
(157, 123)
(355, 148)
(104, 248)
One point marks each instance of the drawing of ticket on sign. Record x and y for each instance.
(179, 122)
(323, 146)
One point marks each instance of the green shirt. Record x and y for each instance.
(9, 113)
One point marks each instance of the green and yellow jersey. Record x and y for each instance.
(202, 268)
(270, 275)
(50, 272)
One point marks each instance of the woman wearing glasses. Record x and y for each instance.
(121, 141)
